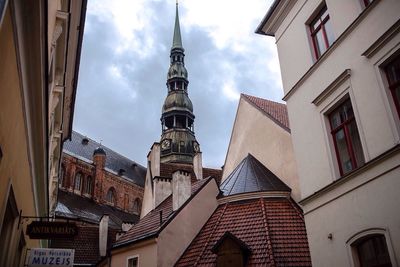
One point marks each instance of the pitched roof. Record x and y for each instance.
(151, 224)
(74, 206)
(274, 110)
(251, 176)
(167, 169)
(114, 161)
(272, 228)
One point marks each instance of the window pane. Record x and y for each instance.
(373, 252)
(356, 143)
(133, 262)
(344, 155)
(329, 32)
(335, 120)
(347, 111)
(319, 38)
(393, 71)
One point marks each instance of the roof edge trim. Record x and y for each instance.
(253, 195)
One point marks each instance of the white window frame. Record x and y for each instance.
(132, 257)
(381, 59)
(333, 95)
(352, 251)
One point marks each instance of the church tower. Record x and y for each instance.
(178, 141)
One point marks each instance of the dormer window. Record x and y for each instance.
(121, 172)
(85, 141)
(231, 251)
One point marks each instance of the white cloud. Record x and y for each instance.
(230, 91)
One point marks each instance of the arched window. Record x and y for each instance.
(61, 177)
(78, 181)
(371, 247)
(136, 206)
(111, 195)
(372, 251)
(89, 185)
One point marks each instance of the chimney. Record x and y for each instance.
(162, 189)
(198, 166)
(181, 188)
(103, 234)
(154, 159)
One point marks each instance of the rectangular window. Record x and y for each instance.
(133, 262)
(346, 138)
(321, 32)
(392, 71)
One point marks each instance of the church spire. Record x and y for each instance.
(178, 142)
(177, 40)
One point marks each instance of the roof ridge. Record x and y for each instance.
(264, 99)
(268, 238)
(283, 124)
(211, 234)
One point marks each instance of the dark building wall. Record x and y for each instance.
(127, 195)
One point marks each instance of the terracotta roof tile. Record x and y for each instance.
(276, 111)
(272, 228)
(149, 225)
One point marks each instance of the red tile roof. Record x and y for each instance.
(149, 225)
(276, 111)
(273, 229)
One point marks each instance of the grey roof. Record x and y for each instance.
(74, 206)
(251, 176)
(114, 161)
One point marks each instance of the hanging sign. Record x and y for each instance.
(51, 257)
(51, 230)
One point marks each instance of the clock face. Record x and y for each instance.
(165, 144)
(196, 147)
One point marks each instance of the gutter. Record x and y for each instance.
(271, 10)
(76, 73)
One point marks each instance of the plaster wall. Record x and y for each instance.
(375, 114)
(366, 198)
(351, 209)
(14, 164)
(255, 133)
(179, 233)
(146, 252)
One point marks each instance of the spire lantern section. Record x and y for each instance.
(178, 142)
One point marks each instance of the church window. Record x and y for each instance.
(89, 185)
(372, 251)
(78, 181)
(136, 206)
(182, 146)
(111, 195)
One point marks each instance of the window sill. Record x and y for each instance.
(352, 174)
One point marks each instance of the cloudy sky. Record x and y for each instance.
(124, 65)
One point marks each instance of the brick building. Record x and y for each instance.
(102, 191)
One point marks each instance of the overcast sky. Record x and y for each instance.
(124, 63)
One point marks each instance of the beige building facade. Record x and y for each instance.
(261, 128)
(29, 116)
(341, 70)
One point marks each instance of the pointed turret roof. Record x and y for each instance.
(177, 41)
(251, 176)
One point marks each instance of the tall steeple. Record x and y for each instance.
(178, 142)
